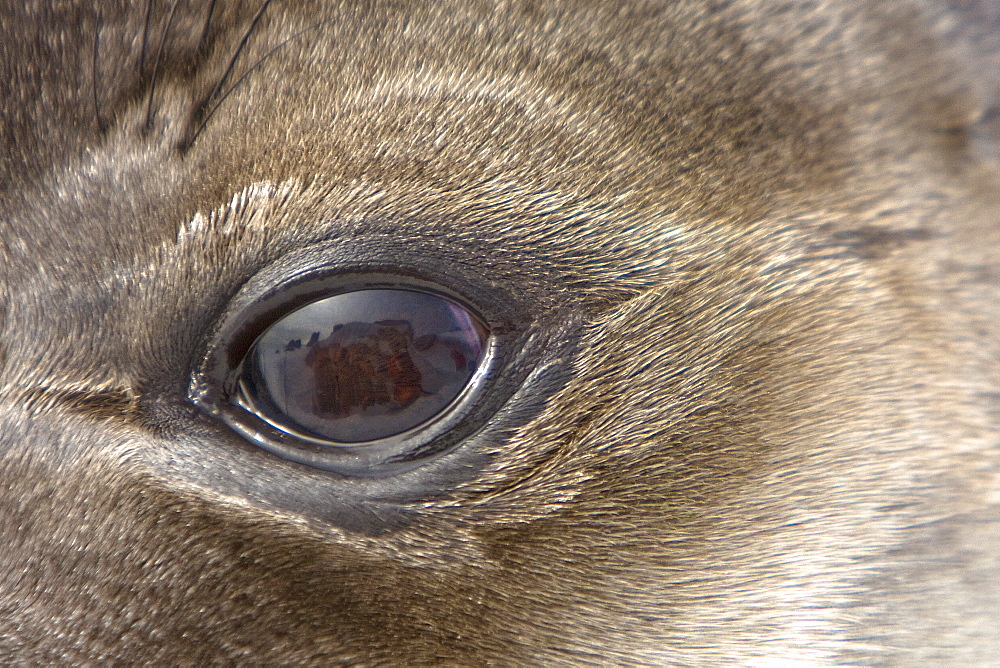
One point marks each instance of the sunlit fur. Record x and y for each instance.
(764, 425)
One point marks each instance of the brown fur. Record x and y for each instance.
(759, 242)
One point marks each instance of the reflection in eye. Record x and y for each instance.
(363, 365)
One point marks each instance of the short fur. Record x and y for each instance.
(765, 422)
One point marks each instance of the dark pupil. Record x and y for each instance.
(363, 365)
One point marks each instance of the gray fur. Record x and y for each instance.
(758, 240)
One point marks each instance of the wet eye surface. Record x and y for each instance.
(363, 366)
(369, 358)
(359, 373)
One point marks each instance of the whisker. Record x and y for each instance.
(145, 38)
(247, 73)
(208, 23)
(239, 49)
(98, 23)
(156, 64)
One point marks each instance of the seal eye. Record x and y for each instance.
(361, 372)
(362, 366)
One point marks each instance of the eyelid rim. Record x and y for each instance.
(343, 266)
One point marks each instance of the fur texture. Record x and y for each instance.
(758, 243)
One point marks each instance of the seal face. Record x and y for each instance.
(524, 332)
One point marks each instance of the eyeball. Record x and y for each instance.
(362, 374)
(362, 366)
